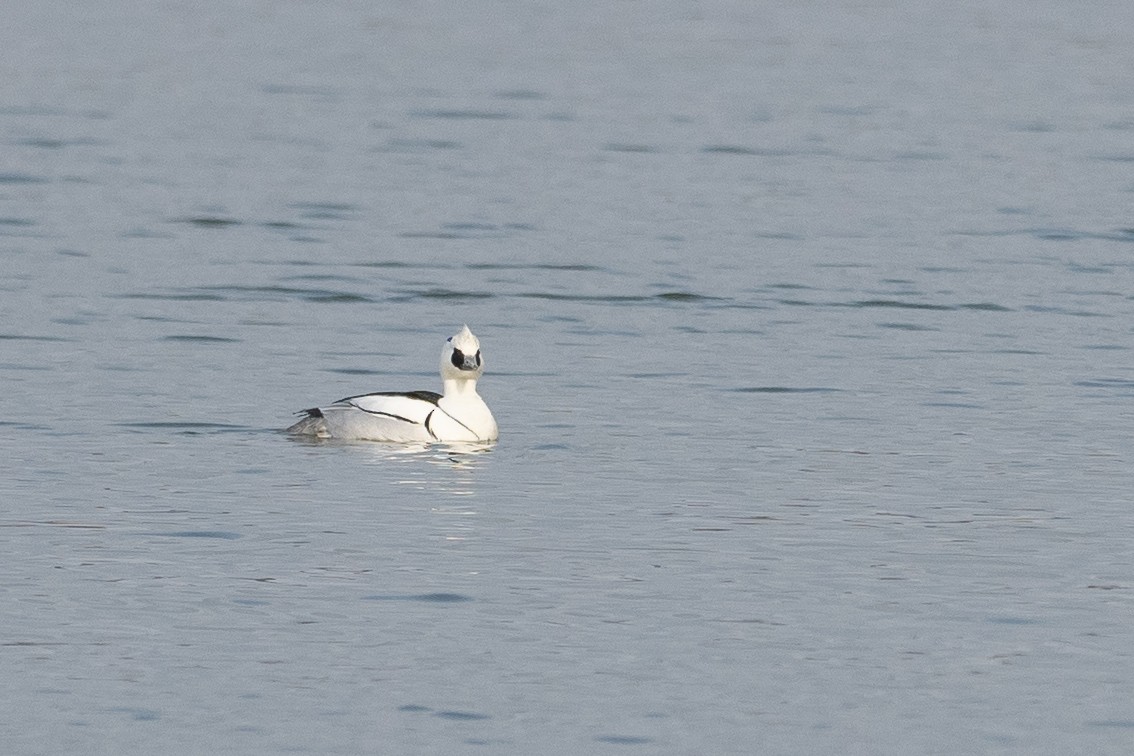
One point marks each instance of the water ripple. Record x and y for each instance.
(458, 114)
(623, 740)
(461, 716)
(208, 221)
(1116, 386)
(899, 304)
(188, 428)
(202, 339)
(1058, 234)
(632, 148)
(448, 294)
(21, 178)
(429, 598)
(569, 267)
(420, 145)
(25, 337)
(740, 150)
(785, 390)
(252, 293)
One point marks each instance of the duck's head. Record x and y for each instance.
(461, 359)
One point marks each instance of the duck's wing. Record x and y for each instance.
(412, 407)
(386, 416)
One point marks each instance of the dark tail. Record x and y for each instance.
(311, 425)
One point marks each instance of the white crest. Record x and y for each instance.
(465, 341)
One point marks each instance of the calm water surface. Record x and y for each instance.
(808, 331)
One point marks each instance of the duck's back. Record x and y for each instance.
(384, 416)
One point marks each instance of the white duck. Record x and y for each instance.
(458, 414)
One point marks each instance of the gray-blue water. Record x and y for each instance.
(808, 329)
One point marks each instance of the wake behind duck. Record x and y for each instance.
(456, 414)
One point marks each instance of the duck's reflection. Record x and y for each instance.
(448, 467)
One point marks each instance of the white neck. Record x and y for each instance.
(458, 387)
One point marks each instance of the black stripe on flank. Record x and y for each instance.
(427, 419)
(384, 414)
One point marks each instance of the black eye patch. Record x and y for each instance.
(458, 358)
(478, 358)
